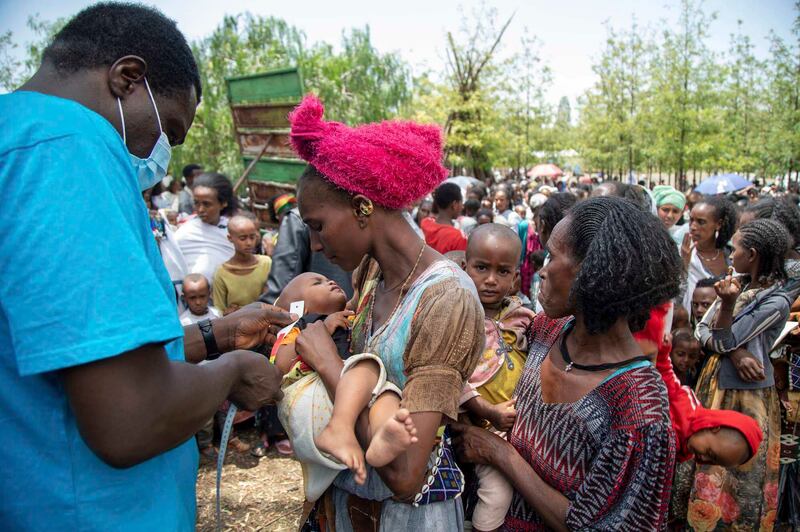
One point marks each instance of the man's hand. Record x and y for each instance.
(259, 382)
(256, 325)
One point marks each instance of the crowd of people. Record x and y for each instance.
(515, 354)
(705, 285)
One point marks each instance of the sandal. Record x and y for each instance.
(284, 447)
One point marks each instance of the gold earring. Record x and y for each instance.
(366, 208)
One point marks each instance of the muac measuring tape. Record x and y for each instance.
(223, 446)
(297, 309)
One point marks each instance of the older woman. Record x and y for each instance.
(203, 240)
(592, 446)
(414, 309)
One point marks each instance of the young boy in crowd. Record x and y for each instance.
(492, 259)
(702, 299)
(318, 427)
(196, 292)
(684, 355)
(241, 280)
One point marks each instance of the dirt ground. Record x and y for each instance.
(257, 493)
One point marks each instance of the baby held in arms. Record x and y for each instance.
(362, 385)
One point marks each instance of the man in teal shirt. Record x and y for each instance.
(99, 406)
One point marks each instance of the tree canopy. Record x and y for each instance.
(663, 102)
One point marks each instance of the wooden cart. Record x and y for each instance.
(260, 104)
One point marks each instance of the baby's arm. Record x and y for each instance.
(501, 416)
(285, 357)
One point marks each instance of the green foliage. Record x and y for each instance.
(664, 103)
(14, 72)
(357, 84)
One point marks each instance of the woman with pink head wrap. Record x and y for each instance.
(413, 308)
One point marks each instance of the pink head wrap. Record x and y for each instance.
(393, 163)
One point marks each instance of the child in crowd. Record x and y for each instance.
(492, 259)
(680, 318)
(318, 427)
(702, 298)
(684, 355)
(241, 279)
(196, 292)
(722, 437)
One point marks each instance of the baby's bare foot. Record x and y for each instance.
(341, 443)
(394, 437)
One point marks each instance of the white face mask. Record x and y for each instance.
(153, 169)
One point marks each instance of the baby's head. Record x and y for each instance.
(723, 437)
(320, 294)
(685, 350)
(492, 256)
(196, 292)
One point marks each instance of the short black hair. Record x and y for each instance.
(224, 188)
(498, 231)
(682, 335)
(628, 263)
(479, 189)
(633, 193)
(781, 210)
(485, 212)
(471, 206)
(554, 209)
(446, 194)
(101, 34)
(771, 240)
(725, 213)
(189, 169)
(708, 282)
(537, 258)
